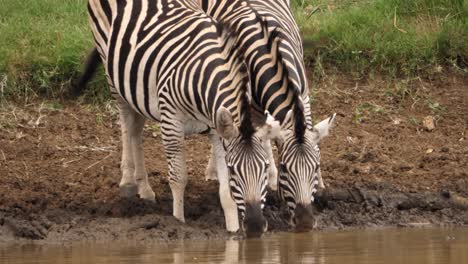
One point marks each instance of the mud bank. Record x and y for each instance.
(137, 220)
(59, 167)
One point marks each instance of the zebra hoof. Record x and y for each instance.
(128, 190)
(211, 178)
(147, 194)
(180, 218)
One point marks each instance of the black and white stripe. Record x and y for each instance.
(268, 34)
(168, 61)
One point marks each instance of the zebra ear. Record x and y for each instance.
(225, 124)
(271, 129)
(323, 127)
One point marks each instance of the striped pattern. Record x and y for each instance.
(273, 48)
(246, 186)
(299, 162)
(296, 161)
(171, 63)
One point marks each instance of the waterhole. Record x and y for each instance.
(428, 245)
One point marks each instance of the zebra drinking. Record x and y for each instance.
(169, 62)
(268, 34)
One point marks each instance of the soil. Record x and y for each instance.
(382, 166)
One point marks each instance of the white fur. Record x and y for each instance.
(133, 165)
(272, 170)
(211, 172)
(228, 204)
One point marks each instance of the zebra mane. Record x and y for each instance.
(300, 124)
(297, 104)
(237, 53)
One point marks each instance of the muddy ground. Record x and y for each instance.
(382, 166)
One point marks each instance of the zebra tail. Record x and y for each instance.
(93, 61)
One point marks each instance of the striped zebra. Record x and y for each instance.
(169, 62)
(268, 34)
(274, 87)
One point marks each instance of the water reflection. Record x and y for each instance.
(359, 246)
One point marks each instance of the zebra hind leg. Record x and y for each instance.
(172, 131)
(134, 175)
(141, 175)
(127, 185)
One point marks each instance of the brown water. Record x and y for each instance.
(358, 246)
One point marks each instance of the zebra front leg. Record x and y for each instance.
(173, 139)
(228, 204)
(211, 172)
(133, 124)
(321, 185)
(272, 170)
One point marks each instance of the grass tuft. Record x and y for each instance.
(394, 37)
(41, 46)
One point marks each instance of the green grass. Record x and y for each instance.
(43, 42)
(396, 37)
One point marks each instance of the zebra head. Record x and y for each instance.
(299, 169)
(247, 164)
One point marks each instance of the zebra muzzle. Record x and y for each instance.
(254, 224)
(303, 218)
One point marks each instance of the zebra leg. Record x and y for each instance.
(211, 172)
(127, 185)
(172, 131)
(141, 175)
(133, 123)
(272, 170)
(321, 185)
(228, 204)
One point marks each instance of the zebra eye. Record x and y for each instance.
(283, 168)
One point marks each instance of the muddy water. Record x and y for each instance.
(359, 246)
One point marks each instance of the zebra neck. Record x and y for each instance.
(266, 63)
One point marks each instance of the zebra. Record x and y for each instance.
(169, 62)
(297, 182)
(268, 34)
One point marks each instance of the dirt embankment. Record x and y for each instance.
(59, 167)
